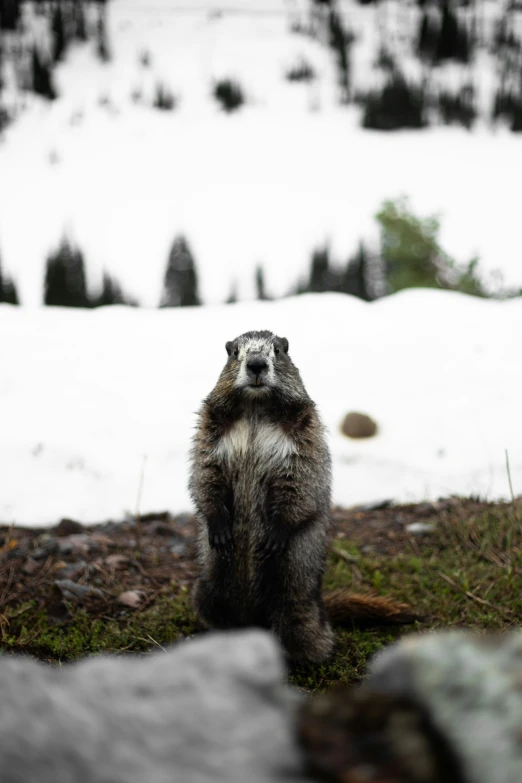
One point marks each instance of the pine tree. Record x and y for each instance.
(180, 284)
(398, 105)
(9, 14)
(427, 42)
(232, 297)
(80, 27)
(320, 275)
(102, 42)
(59, 40)
(42, 76)
(355, 276)
(112, 294)
(340, 40)
(453, 41)
(260, 284)
(8, 292)
(65, 284)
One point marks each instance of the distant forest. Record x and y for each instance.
(419, 38)
(426, 38)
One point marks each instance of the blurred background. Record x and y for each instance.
(158, 154)
(258, 149)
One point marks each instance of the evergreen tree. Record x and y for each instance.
(427, 42)
(80, 26)
(397, 105)
(8, 292)
(229, 95)
(232, 297)
(59, 40)
(180, 285)
(355, 277)
(65, 284)
(320, 275)
(112, 294)
(453, 41)
(458, 107)
(42, 76)
(164, 98)
(102, 41)
(9, 14)
(340, 40)
(260, 284)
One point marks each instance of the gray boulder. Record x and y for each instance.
(471, 687)
(212, 709)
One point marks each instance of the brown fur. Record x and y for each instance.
(261, 483)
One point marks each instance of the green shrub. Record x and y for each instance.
(413, 257)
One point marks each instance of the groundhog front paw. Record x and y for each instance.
(220, 536)
(274, 541)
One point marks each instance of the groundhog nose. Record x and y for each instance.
(257, 364)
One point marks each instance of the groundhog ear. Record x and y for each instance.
(284, 343)
(229, 346)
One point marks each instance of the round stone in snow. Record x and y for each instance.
(358, 425)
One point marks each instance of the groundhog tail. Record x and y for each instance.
(345, 608)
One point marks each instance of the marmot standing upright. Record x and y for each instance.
(261, 483)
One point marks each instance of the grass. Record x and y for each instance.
(466, 573)
(28, 629)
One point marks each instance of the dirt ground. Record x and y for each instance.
(113, 565)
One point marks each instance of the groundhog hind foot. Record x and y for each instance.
(307, 642)
(211, 609)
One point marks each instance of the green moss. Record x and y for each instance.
(467, 574)
(163, 623)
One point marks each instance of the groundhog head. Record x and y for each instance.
(259, 362)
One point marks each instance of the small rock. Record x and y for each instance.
(73, 571)
(72, 591)
(78, 543)
(49, 548)
(358, 425)
(68, 527)
(420, 528)
(177, 545)
(15, 554)
(117, 562)
(132, 598)
(101, 540)
(31, 566)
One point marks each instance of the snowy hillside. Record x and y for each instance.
(266, 185)
(89, 399)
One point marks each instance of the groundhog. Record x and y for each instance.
(261, 483)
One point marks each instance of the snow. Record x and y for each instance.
(90, 400)
(267, 185)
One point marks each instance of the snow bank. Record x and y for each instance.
(86, 396)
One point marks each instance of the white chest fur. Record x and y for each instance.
(261, 441)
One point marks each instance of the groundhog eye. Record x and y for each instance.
(276, 350)
(236, 352)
